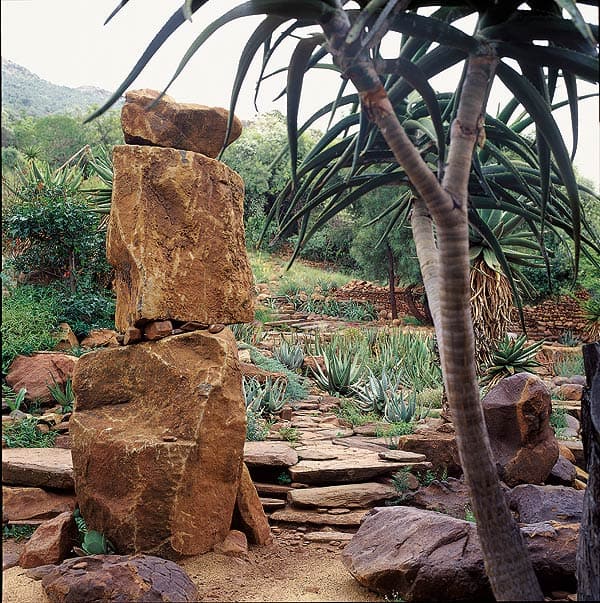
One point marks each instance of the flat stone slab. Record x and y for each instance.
(353, 518)
(269, 504)
(22, 504)
(350, 496)
(328, 536)
(269, 454)
(320, 433)
(402, 456)
(38, 467)
(352, 468)
(272, 490)
(315, 454)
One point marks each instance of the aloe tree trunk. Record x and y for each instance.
(446, 277)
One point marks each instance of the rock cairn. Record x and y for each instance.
(159, 427)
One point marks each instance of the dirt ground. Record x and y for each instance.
(288, 570)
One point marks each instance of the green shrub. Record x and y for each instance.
(290, 434)
(350, 412)
(18, 533)
(558, 420)
(29, 321)
(257, 427)
(392, 433)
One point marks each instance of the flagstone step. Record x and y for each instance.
(366, 494)
(38, 467)
(305, 516)
(355, 468)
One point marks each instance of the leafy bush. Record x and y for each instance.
(85, 308)
(392, 433)
(331, 243)
(257, 427)
(49, 230)
(558, 420)
(18, 533)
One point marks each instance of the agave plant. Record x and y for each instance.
(511, 356)
(342, 372)
(373, 394)
(92, 542)
(290, 354)
(268, 397)
(100, 197)
(591, 309)
(418, 367)
(400, 407)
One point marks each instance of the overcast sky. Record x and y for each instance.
(65, 42)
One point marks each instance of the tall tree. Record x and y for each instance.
(502, 30)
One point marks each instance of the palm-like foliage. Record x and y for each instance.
(441, 180)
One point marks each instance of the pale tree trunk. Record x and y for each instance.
(391, 279)
(507, 562)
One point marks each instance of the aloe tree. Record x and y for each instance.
(440, 203)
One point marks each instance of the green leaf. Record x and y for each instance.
(582, 26)
(297, 67)
(533, 102)
(176, 19)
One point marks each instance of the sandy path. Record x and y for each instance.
(288, 570)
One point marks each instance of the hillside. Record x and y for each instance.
(24, 93)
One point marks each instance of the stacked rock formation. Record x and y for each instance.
(159, 427)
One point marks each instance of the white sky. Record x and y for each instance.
(65, 42)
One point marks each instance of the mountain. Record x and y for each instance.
(24, 93)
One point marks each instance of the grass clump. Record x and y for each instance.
(25, 434)
(569, 366)
(350, 412)
(18, 533)
(558, 420)
(29, 321)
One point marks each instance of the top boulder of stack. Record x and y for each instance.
(183, 126)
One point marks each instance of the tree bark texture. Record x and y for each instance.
(391, 279)
(588, 552)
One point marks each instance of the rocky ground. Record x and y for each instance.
(316, 489)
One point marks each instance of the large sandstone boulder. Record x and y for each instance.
(158, 437)
(116, 578)
(427, 556)
(176, 239)
(178, 125)
(517, 414)
(533, 503)
(36, 372)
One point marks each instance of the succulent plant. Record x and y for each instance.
(511, 356)
(342, 372)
